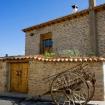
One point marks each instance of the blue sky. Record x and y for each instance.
(18, 14)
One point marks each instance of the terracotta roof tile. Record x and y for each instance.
(62, 59)
(59, 59)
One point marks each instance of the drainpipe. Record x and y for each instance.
(92, 25)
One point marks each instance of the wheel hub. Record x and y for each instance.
(68, 91)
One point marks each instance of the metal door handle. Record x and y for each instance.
(19, 73)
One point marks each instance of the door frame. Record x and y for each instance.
(9, 73)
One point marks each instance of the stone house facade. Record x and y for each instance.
(69, 32)
(28, 74)
(25, 74)
(52, 68)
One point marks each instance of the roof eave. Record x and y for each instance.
(64, 18)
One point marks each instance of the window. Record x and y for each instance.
(46, 43)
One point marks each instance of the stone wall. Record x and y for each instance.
(39, 71)
(3, 76)
(70, 34)
(100, 18)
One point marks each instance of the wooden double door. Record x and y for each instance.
(19, 77)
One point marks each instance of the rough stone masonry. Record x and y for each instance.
(71, 32)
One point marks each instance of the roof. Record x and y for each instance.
(68, 17)
(56, 59)
(1, 58)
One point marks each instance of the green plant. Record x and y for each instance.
(70, 53)
(64, 53)
(91, 53)
(49, 54)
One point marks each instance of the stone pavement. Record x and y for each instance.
(23, 101)
(17, 101)
(7, 102)
(97, 102)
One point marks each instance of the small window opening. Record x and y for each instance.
(32, 34)
(46, 43)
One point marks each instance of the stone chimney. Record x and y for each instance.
(92, 25)
(75, 8)
(92, 3)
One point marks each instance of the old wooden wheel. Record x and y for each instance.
(69, 89)
(91, 88)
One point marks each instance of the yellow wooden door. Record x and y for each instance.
(19, 77)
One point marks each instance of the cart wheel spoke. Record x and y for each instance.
(76, 101)
(79, 96)
(72, 100)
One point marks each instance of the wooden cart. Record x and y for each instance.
(75, 86)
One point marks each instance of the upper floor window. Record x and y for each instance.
(46, 42)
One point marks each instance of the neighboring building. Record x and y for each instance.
(83, 31)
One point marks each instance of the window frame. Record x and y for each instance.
(45, 37)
